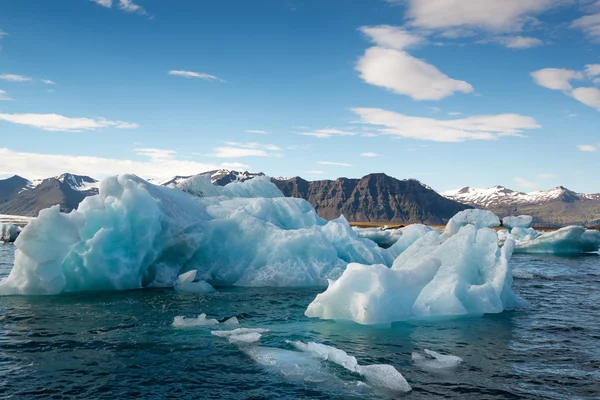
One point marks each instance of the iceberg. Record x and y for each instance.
(134, 234)
(384, 238)
(9, 233)
(568, 240)
(521, 221)
(460, 271)
(185, 283)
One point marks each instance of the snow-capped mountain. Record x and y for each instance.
(557, 206)
(219, 177)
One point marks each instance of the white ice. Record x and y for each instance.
(568, 240)
(134, 234)
(379, 375)
(521, 221)
(239, 332)
(251, 337)
(185, 283)
(9, 232)
(232, 321)
(183, 322)
(461, 271)
(435, 360)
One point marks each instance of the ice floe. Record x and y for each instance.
(183, 322)
(9, 233)
(568, 240)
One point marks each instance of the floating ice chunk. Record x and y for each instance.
(251, 337)
(568, 240)
(232, 321)
(477, 218)
(9, 232)
(187, 277)
(185, 283)
(239, 332)
(183, 322)
(381, 375)
(439, 275)
(523, 234)
(436, 360)
(522, 221)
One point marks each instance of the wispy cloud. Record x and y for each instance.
(235, 152)
(369, 154)
(483, 127)
(2, 34)
(56, 122)
(15, 78)
(258, 132)
(4, 96)
(560, 79)
(524, 183)
(589, 25)
(587, 147)
(338, 164)
(125, 5)
(253, 145)
(327, 133)
(197, 75)
(39, 165)
(454, 113)
(156, 155)
(518, 42)
(48, 82)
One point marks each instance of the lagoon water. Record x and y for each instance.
(122, 345)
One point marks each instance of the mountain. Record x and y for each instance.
(373, 198)
(219, 177)
(555, 207)
(11, 187)
(67, 190)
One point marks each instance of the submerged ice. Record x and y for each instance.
(460, 271)
(435, 361)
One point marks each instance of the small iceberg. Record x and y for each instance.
(183, 322)
(242, 335)
(9, 233)
(435, 360)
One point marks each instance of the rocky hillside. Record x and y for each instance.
(555, 207)
(67, 190)
(373, 198)
(11, 187)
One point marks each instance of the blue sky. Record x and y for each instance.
(450, 92)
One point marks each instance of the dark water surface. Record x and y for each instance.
(121, 345)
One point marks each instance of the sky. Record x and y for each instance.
(450, 92)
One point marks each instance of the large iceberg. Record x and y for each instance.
(461, 271)
(134, 234)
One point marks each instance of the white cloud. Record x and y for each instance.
(253, 145)
(454, 113)
(125, 5)
(339, 164)
(36, 165)
(15, 78)
(404, 74)
(2, 34)
(518, 42)
(491, 15)
(572, 115)
(315, 172)
(104, 3)
(192, 74)
(327, 133)
(4, 96)
(234, 165)
(547, 176)
(590, 25)
(48, 82)
(596, 81)
(391, 37)
(258, 132)
(156, 155)
(587, 147)
(592, 70)
(55, 122)
(524, 183)
(368, 134)
(369, 154)
(237, 150)
(483, 127)
(590, 96)
(555, 78)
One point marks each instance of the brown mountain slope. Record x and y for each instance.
(373, 198)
